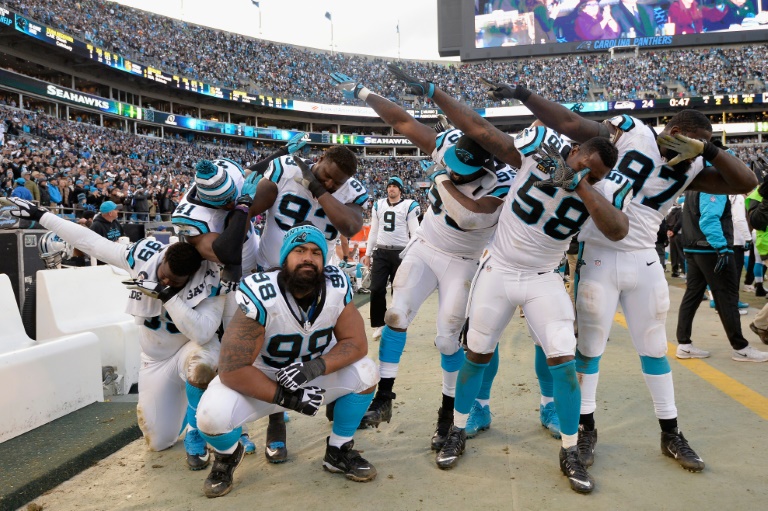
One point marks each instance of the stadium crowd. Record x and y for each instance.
(87, 165)
(240, 62)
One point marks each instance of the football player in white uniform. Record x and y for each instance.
(466, 200)
(213, 216)
(291, 192)
(627, 272)
(519, 267)
(394, 221)
(176, 299)
(297, 342)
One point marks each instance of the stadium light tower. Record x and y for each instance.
(330, 18)
(258, 6)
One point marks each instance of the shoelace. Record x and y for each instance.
(576, 469)
(583, 443)
(682, 447)
(451, 445)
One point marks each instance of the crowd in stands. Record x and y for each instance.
(75, 166)
(240, 62)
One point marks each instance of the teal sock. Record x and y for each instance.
(225, 442)
(567, 396)
(391, 346)
(468, 385)
(489, 375)
(193, 399)
(543, 373)
(348, 411)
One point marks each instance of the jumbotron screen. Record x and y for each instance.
(602, 24)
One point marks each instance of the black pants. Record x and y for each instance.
(661, 251)
(749, 275)
(725, 290)
(676, 257)
(383, 268)
(738, 255)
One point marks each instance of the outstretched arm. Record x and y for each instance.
(553, 115)
(478, 129)
(421, 135)
(612, 222)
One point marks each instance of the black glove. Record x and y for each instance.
(297, 374)
(306, 401)
(499, 91)
(308, 179)
(413, 85)
(27, 210)
(723, 259)
(152, 289)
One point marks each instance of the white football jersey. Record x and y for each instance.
(537, 224)
(656, 186)
(393, 221)
(289, 337)
(193, 218)
(295, 204)
(440, 230)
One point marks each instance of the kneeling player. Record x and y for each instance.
(296, 325)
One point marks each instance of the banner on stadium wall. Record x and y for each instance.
(107, 106)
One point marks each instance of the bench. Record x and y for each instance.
(42, 381)
(91, 299)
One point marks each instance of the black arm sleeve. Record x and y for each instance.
(228, 247)
(261, 166)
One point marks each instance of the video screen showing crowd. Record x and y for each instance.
(503, 210)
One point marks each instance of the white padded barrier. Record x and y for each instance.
(42, 381)
(91, 299)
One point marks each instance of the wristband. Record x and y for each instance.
(242, 207)
(431, 91)
(710, 151)
(363, 93)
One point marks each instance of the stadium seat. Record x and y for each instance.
(91, 299)
(42, 381)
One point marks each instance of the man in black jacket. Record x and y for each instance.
(674, 233)
(106, 224)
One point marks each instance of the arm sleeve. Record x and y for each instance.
(89, 242)
(711, 208)
(198, 324)
(370, 245)
(260, 167)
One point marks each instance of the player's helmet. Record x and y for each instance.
(53, 249)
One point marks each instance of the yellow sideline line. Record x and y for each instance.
(739, 392)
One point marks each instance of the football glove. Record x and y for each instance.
(152, 289)
(499, 91)
(439, 172)
(443, 124)
(349, 87)
(426, 165)
(297, 374)
(248, 192)
(686, 148)
(26, 209)
(560, 174)
(296, 142)
(307, 400)
(723, 259)
(412, 85)
(308, 179)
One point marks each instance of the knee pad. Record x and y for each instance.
(654, 343)
(560, 338)
(447, 345)
(368, 373)
(396, 317)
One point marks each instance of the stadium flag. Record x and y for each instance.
(254, 2)
(397, 28)
(328, 15)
